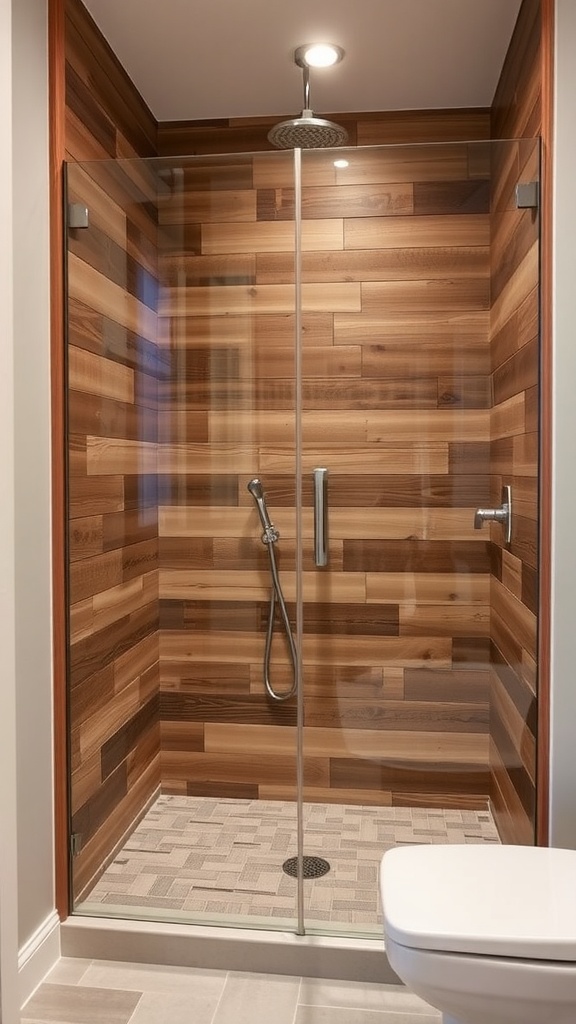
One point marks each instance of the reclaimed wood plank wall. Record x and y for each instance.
(515, 359)
(396, 396)
(397, 639)
(113, 367)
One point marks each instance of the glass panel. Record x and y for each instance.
(417, 333)
(420, 397)
(181, 362)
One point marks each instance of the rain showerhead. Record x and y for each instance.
(307, 131)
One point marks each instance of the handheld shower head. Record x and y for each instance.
(257, 492)
(255, 488)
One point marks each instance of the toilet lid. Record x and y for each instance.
(515, 901)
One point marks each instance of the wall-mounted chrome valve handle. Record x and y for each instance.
(497, 515)
(321, 516)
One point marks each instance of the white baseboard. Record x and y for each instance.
(38, 956)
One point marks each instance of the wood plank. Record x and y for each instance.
(418, 232)
(229, 206)
(258, 299)
(445, 620)
(272, 236)
(342, 200)
(96, 291)
(413, 588)
(375, 265)
(521, 622)
(509, 418)
(416, 556)
(365, 523)
(449, 294)
(266, 740)
(435, 425)
(366, 651)
(94, 375)
(521, 284)
(245, 585)
(385, 715)
(109, 456)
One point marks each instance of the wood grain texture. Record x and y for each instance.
(515, 358)
(396, 278)
(249, 135)
(113, 367)
(396, 274)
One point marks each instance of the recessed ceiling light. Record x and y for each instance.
(340, 163)
(318, 55)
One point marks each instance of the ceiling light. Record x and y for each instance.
(318, 55)
(340, 163)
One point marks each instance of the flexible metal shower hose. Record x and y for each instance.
(277, 595)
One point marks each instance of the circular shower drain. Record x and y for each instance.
(314, 867)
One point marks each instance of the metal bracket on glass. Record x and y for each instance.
(321, 516)
(497, 515)
(78, 216)
(528, 195)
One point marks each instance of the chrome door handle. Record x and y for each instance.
(321, 516)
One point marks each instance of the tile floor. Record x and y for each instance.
(104, 992)
(216, 860)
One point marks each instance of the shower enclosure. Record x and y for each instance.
(368, 311)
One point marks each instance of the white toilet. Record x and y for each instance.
(487, 934)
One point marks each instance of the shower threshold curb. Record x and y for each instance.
(227, 949)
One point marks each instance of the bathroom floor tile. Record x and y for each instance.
(176, 995)
(75, 1004)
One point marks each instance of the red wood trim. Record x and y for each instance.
(57, 119)
(544, 646)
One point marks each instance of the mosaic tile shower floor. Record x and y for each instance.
(221, 860)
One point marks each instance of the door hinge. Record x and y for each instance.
(75, 843)
(528, 195)
(78, 216)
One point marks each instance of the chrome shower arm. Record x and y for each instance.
(306, 77)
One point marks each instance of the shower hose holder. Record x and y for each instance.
(270, 535)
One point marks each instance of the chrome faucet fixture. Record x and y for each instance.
(501, 515)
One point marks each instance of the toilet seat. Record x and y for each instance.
(509, 901)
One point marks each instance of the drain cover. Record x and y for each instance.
(314, 867)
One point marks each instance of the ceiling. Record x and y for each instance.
(198, 59)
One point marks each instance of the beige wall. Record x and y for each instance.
(8, 902)
(32, 467)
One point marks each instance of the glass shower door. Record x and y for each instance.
(182, 358)
(420, 398)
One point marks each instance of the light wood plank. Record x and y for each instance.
(109, 455)
(509, 418)
(465, 293)
(262, 740)
(254, 585)
(519, 620)
(97, 376)
(445, 620)
(222, 300)
(428, 588)
(520, 285)
(416, 232)
(101, 294)
(271, 236)
(431, 424)
(361, 523)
